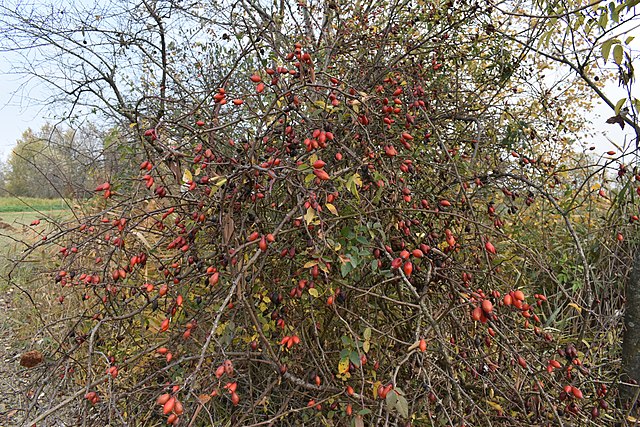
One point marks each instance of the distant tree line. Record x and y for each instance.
(57, 161)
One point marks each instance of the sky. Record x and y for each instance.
(18, 111)
(21, 107)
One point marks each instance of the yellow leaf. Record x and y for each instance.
(332, 208)
(357, 180)
(221, 328)
(355, 104)
(323, 105)
(309, 216)
(186, 176)
(344, 376)
(366, 346)
(576, 306)
(343, 366)
(313, 292)
(375, 387)
(495, 406)
(218, 181)
(310, 264)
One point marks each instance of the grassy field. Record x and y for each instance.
(16, 232)
(30, 204)
(16, 215)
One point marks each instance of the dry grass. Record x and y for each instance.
(19, 325)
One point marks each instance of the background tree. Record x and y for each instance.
(56, 162)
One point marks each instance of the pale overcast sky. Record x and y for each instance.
(21, 107)
(17, 110)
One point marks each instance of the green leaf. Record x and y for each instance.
(629, 39)
(304, 167)
(345, 268)
(619, 105)
(617, 54)
(355, 358)
(578, 21)
(310, 177)
(353, 182)
(545, 38)
(606, 49)
(402, 406)
(614, 12)
(604, 20)
(392, 399)
(354, 259)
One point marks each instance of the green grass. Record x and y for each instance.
(30, 204)
(16, 216)
(16, 232)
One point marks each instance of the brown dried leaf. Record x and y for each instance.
(31, 359)
(228, 227)
(204, 399)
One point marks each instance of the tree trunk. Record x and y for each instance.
(631, 340)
